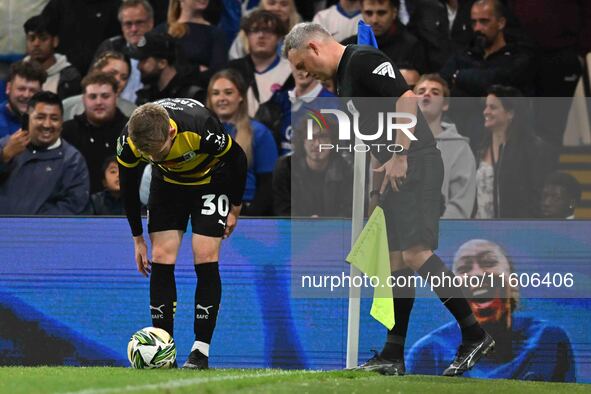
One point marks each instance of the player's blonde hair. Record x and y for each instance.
(148, 127)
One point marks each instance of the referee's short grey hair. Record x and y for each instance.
(300, 33)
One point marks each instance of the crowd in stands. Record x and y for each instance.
(74, 70)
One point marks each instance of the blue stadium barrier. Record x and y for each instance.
(70, 293)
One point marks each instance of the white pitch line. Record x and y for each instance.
(182, 383)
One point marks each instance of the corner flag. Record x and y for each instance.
(365, 35)
(370, 252)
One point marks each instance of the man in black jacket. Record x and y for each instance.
(443, 26)
(490, 60)
(161, 79)
(393, 38)
(94, 133)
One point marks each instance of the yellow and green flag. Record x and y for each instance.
(370, 254)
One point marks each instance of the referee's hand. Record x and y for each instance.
(394, 171)
(141, 255)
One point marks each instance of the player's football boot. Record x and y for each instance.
(197, 360)
(469, 354)
(382, 365)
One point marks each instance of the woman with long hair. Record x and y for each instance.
(199, 43)
(226, 96)
(512, 161)
(286, 11)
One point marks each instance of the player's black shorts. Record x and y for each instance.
(412, 214)
(170, 206)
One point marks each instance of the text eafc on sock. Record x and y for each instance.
(208, 295)
(163, 296)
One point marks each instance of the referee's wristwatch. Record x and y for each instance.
(403, 152)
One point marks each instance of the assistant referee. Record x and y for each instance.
(415, 176)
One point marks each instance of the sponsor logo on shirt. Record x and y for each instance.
(218, 139)
(120, 142)
(179, 104)
(189, 155)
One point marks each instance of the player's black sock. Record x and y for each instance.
(163, 296)
(208, 295)
(404, 298)
(453, 298)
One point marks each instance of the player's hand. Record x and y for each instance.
(232, 220)
(141, 255)
(394, 172)
(15, 145)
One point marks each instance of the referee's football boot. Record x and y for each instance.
(469, 354)
(197, 360)
(382, 365)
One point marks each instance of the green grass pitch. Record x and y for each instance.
(15, 380)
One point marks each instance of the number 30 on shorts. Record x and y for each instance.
(210, 207)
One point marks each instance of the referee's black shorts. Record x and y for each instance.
(170, 206)
(412, 214)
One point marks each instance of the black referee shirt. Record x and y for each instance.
(365, 71)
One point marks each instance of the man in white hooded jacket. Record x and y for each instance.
(459, 181)
(62, 78)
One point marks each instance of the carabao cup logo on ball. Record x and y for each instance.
(349, 129)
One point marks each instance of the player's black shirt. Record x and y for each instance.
(365, 71)
(200, 147)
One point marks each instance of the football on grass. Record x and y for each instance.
(151, 347)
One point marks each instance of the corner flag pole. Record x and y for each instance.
(356, 227)
(365, 36)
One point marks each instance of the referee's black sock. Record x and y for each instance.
(404, 298)
(163, 296)
(453, 298)
(208, 295)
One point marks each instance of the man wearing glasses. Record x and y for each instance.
(136, 18)
(263, 69)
